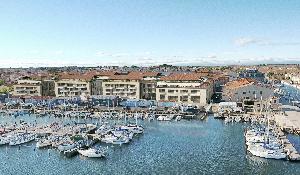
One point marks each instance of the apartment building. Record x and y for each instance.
(246, 88)
(73, 84)
(187, 88)
(249, 94)
(27, 87)
(132, 85)
(98, 78)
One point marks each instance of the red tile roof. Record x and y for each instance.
(239, 83)
(183, 76)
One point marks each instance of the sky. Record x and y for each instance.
(37, 33)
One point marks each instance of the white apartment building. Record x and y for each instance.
(132, 85)
(123, 88)
(73, 85)
(27, 87)
(188, 88)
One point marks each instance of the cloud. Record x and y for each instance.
(245, 41)
(123, 54)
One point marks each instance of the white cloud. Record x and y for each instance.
(245, 41)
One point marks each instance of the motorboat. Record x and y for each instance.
(120, 140)
(263, 152)
(116, 140)
(66, 146)
(93, 153)
(164, 118)
(108, 138)
(43, 143)
(19, 139)
(178, 118)
(71, 152)
(134, 128)
(4, 140)
(103, 129)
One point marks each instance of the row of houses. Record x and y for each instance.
(192, 88)
(188, 88)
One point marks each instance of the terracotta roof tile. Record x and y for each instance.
(239, 83)
(183, 77)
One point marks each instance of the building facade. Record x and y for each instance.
(27, 87)
(71, 85)
(188, 88)
(249, 94)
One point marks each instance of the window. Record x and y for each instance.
(184, 98)
(162, 90)
(193, 91)
(173, 98)
(244, 92)
(171, 91)
(261, 92)
(162, 97)
(184, 91)
(254, 92)
(195, 99)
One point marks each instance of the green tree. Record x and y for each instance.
(1, 82)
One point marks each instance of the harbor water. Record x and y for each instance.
(184, 147)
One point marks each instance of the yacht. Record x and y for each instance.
(120, 140)
(134, 128)
(178, 118)
(4, 140)
(43, 143)
(103, 129)
(117, 140)
(164, 118)
(21, 139)
(66, 146)
(93, 153)
(108, 138)
(264, 152)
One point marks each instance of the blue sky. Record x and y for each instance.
(126, 32)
